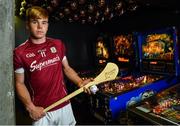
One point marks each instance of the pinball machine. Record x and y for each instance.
(157, 59)
(160, 109)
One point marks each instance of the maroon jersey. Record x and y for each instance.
(42, 63)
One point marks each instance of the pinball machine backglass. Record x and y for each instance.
(124, 51)
(159, 52)
(102, 51)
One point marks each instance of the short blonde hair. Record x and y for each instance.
(36, 12)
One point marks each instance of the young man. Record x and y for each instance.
(39, 66)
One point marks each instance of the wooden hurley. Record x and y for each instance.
(109, 73)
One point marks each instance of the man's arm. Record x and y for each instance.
(23, 94)
(73, 76)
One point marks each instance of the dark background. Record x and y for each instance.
(80, 38)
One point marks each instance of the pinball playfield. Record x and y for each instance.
(162, 109)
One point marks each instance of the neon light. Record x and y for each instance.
(122, 59)
(153, 62)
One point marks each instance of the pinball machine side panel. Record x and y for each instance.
(121, 102)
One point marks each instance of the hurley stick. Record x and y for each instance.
(109, 73)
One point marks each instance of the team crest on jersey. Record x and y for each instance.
(53, 49)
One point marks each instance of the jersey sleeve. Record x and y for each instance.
(63, 50)
(17, 62)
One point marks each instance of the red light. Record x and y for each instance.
(122, 59)
(153, 62)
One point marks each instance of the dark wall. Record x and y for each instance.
(20, 31)
(143, 19)
(78, 39)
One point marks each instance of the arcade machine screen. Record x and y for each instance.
(124, 49)
(158, 52)
(102, 51)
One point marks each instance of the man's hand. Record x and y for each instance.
(84, 82)
(36, 112)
